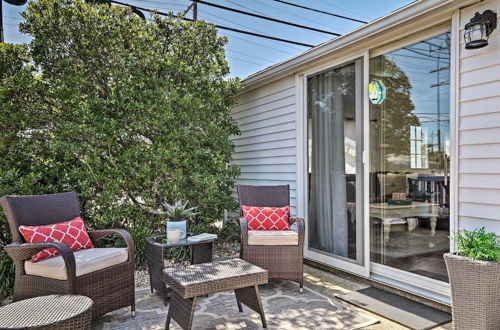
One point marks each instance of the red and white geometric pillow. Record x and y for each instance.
(266, 218)
(72, 233)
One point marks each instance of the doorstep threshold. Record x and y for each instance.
(413, 292)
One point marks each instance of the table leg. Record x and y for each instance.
(240, 308)
(202, 253)
(250, 296)
(181, 310)
(433, 225)
(387, 230)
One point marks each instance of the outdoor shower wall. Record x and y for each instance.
(479, 128)
(266, 148)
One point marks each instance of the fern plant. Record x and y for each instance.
(478, 245)
(179, 211)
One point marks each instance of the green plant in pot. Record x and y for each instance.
(178, 215)
(474, 273)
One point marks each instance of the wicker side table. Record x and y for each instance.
(157, 245)
(48, 312)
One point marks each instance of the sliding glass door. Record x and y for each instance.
(334, 125)
(410, 157)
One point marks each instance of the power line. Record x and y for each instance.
(240, 5)
(219, 26)
(253, 29)
(321, 11)
(266, 46)
(266, 17)
(252, 56)
(244, 60)
(291, 13)
(328, 3)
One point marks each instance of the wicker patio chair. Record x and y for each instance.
(110, 288)
(281, 261)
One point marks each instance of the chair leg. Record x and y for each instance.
(301, 287)
(167, 323)
(132, 310)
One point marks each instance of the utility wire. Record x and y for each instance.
(328, 3)
(211, 15)
(266, 3)
(266, 18)
(218, 26)
(240, 5)
(273, 48)
(321, 11)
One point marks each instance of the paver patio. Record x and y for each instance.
(285, 308)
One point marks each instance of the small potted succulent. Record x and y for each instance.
(177, 216)
(474, 273)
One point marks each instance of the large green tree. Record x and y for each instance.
(127, 112)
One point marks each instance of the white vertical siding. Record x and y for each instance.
(479, 129)
(266, 148)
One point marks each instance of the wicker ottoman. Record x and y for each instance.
(56, 312)
(190, 282)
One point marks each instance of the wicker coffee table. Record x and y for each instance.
(156, 247)
(188, 283)
(48, 312)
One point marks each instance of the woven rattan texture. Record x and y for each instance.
(474, 289)
(284, 262)
(110, 288)
(48, 312)
(270, 196)
(196, 280)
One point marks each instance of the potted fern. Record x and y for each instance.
(474, 273)
(178, 215)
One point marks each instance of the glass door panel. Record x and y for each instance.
(334, 167)
(410, 157)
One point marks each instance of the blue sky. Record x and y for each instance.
(247, 54)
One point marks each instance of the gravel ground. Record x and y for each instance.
(223, 250)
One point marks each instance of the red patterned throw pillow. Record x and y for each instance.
(266, 218)
(72, 233)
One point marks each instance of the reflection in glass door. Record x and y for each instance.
(410, 157)
(334, 167)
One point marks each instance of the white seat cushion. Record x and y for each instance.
(273, 237)
(87, 261)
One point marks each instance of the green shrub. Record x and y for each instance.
(127, 112)
(230, 232)
(478, 245)
(6, 275)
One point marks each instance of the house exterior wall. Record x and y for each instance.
(266, 148)
(479, 128)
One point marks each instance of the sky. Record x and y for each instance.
(248, 54)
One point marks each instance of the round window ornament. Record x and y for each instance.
(376, 91)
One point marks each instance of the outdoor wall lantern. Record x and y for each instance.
(478, 30)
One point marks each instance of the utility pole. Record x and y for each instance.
(195, 10)
(1, 21)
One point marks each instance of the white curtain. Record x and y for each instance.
(327, 205)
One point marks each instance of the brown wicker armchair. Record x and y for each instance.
(281, 261)
(110, 288)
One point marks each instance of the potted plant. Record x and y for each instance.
(177, 216)
(474, 273)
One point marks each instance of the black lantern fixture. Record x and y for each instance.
(478, 30)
